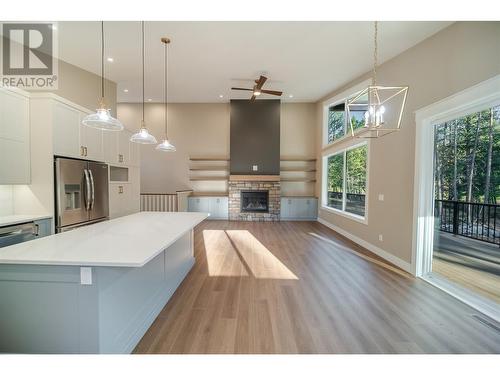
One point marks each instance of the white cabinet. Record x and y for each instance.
(135, 153)
(110, 141)
(91, 141)
(66, 130)
(135, 182)
(119, 200)
(124, 147)
(217, 207)
(124, 197)
(299, 208)
(14, 138)
(72, 138)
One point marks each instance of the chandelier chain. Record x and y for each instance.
(375, 53)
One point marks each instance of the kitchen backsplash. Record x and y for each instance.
(6, 200)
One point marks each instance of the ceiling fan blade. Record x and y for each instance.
(240, 88)
(272, 92)
(261, 82)
(252, 99)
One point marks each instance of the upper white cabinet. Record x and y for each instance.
(110, 140)
(66, 131)
(91, 141)
(72, 138)
(14, 138)
(124, 147)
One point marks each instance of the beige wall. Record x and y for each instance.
(84, 88)
(203, 130)
(456, 58)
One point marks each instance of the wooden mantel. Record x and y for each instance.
(253, 177)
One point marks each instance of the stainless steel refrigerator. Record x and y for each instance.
(82, 195)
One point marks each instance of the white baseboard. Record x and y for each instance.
(398, 262)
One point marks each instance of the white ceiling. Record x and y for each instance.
(304, 59)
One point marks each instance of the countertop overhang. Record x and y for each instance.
(129, 241)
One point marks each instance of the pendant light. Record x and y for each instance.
(377, 110)
(102, 119)
(143, 136)
(165, 145)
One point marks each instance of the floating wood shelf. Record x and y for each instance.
(210, 168)
(253, 177)
(296, 169)
(298, 159)
(209, 159)
(210, 194)
(209, 178)
(297, 180)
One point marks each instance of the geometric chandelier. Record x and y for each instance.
(377, 110)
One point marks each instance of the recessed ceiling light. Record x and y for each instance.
(149, 100)
(126, 90)
(290, 96)
(110, 59)
(221, 96)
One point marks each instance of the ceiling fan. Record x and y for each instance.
(257, 89)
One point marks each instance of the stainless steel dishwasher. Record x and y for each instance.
(12, 234)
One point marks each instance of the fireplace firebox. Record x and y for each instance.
(255, 201)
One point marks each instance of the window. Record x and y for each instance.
(346, 180)
(337, 123)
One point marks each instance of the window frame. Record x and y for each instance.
(333, 101)
(356, 143)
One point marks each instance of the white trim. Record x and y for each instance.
(343, 96)
(474, 300)
(475, 98)
(398, 262)
(336, 211)
(355, 143)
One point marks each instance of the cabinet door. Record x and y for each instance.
(44, 227)
(224, 208)
(91, 139)
(135, 154)
(287, 206)
(124, 147)
(301, 208)
(312, 208)
(135, 189)
(119, 200)
(66, 131)
(14, 139)
(215, 207)
(110, 143)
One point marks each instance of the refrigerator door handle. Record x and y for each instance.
(92, 191)
(87, 190)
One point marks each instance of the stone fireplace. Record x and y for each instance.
(253, 200)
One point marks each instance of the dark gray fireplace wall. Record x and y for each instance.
(255, 137)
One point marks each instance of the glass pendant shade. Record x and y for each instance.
(376, 111)
(166, 146)
(143, 137)
(102, 120)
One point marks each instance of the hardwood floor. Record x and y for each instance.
(298, 287)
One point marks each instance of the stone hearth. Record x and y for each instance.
(235, 189)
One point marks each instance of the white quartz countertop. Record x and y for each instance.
(128, 241)
(18, 219)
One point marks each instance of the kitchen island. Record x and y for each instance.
(95, 289)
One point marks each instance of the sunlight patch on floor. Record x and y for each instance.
(222, 259)
(259, 260)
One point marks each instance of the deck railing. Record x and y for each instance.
(479, 221)
(165, 202)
